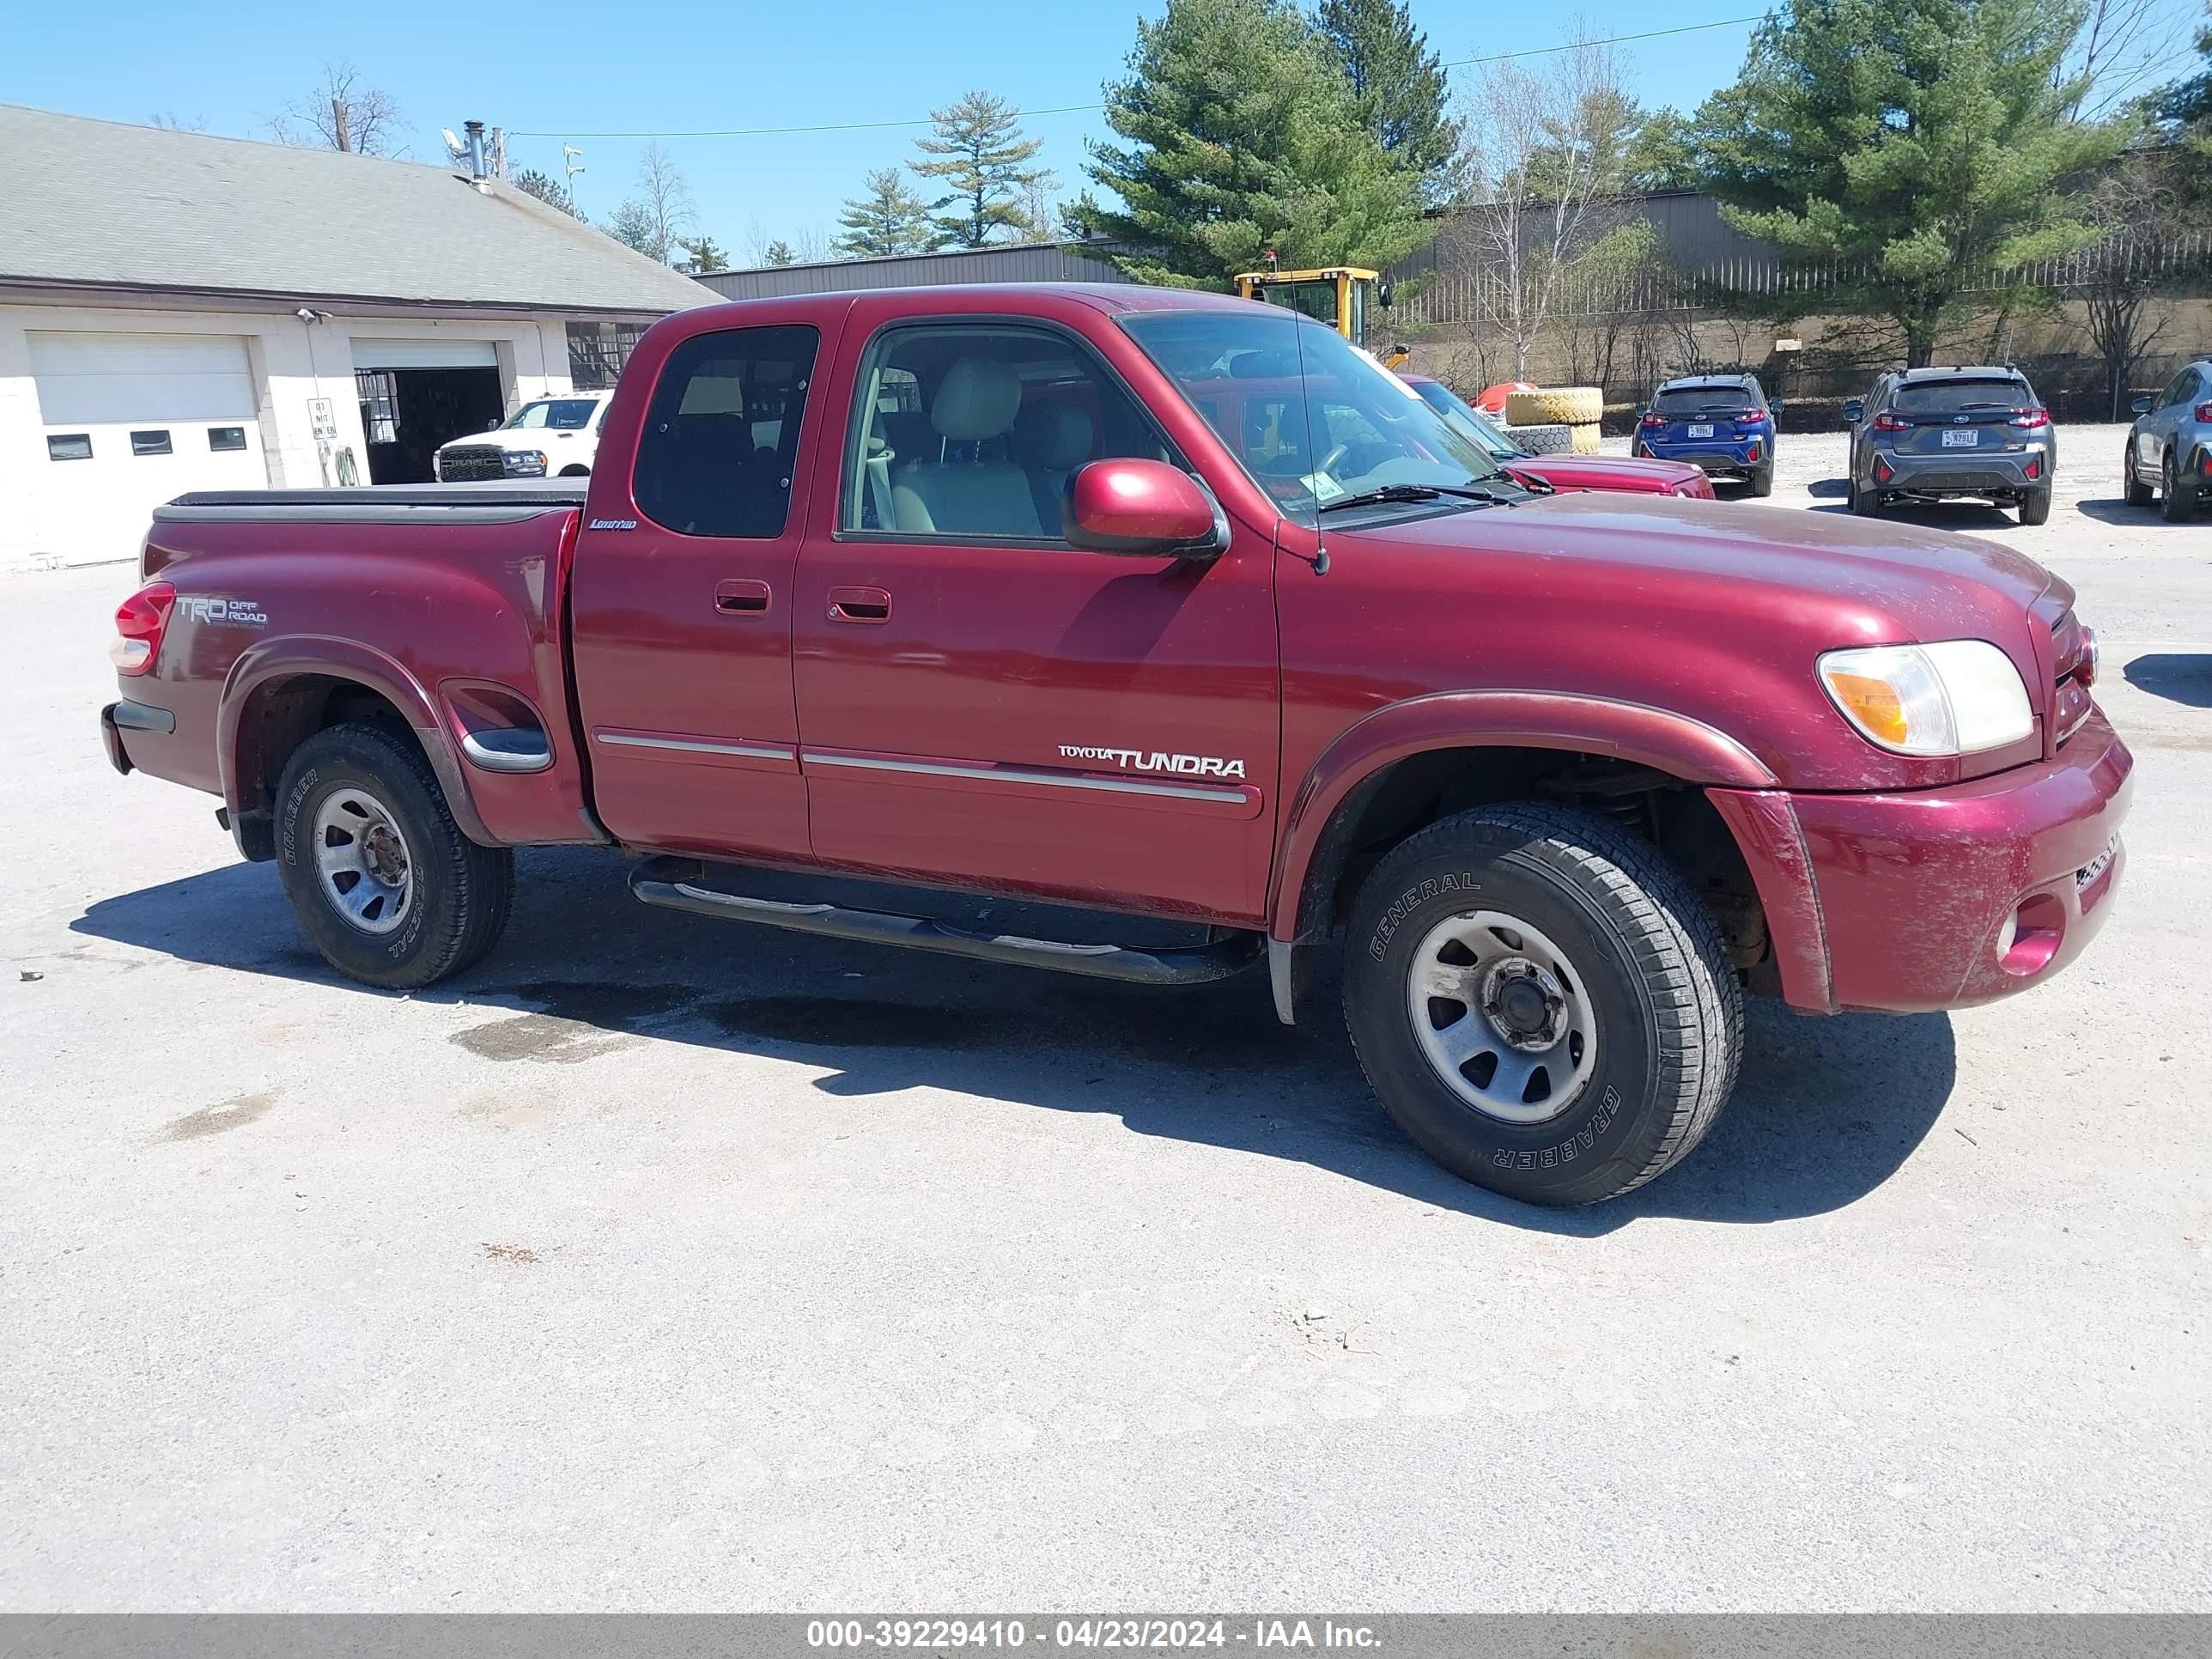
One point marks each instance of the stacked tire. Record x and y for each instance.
(1577, 408)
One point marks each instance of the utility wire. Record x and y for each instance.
(1084, 109)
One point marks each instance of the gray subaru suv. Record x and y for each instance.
(2169, 446)
(1931, 434)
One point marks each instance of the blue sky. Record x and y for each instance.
(554, 69)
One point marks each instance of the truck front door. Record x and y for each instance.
(982, 704)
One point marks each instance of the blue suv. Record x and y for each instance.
(1722, 422)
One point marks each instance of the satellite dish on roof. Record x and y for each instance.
(454, 148)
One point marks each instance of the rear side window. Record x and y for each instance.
(721, 436)
(1963, 396)
(1704, 399)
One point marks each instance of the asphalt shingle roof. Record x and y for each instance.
(103, 204)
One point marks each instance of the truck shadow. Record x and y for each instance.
(2179, 676)
(1826, 1110)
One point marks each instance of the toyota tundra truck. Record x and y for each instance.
(1173, 618)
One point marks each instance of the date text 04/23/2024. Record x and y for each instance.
(1123, 1634)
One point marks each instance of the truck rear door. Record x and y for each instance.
(681, 603)
(983, 702)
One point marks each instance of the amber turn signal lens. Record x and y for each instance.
(1873, 704)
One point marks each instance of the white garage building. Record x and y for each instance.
(180, 312)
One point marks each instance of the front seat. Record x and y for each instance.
(1051, 440)
(976, 403)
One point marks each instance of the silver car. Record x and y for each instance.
(1931, 434)
(2169, 446)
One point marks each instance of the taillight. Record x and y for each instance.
(1752, 454)
(1887, 421)
(2035, 467)
(2085, 670)
(1883, 471)
(1653, 417)
(139, 621)
(1751, 416)
(2031, 417)
(2204, 412)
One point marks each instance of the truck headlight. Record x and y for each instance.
(1954, 697)
(527, 463)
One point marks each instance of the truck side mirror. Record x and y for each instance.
(1142, 509)
(2140, 405)
(1384, 295)
(1854, 410)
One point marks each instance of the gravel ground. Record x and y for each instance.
(663, 1265)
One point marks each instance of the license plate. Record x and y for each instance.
(2086, 876)
(1966, 440)
(1701, 431)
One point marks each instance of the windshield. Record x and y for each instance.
(559, 414)
(1309, 418)
(1959, 397)
(1458, 412)
(1704, 400)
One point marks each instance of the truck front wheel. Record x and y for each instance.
(1542, 1003)
(383, 881)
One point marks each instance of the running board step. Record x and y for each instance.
(683, 885)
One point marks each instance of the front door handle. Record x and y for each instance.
(741, 598)
(860, 604)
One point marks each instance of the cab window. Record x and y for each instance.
(721, 435)
(971, 431)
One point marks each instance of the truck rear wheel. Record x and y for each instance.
(1542, 1003)
(382, 880)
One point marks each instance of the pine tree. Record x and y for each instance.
(779, 252)
(549, 190)
(978, 150)
(889, 219)
(1241, 137)
(1398, 86)
(1911, 150)
(706, 257)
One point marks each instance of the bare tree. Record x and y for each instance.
(2122, 46)
(654, 219)
(169, 121)
(2121, 276)
(343, 114)
(1542, 134)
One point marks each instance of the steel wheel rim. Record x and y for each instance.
(363, 860)
(1523, 1041)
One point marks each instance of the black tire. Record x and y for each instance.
(1866, 503)
(576, 472)
(2177, 491)
(458, 894)
(1762, 480)
(2035, 506)
(2137, 493)
(1667, 1008)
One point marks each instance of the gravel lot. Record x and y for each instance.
(665, 1265)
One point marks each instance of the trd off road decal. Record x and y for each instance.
(239, 613)
(1153, 760)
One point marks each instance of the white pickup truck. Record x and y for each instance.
(547, 438)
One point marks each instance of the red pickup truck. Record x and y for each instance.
(1148, 607)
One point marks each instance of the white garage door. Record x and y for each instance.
(132, 421)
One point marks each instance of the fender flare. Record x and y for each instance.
(296, 654)
(1678, 744)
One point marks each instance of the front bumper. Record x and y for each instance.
(1938, 898)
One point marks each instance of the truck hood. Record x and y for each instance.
(1716, 609)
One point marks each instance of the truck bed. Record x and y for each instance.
(378, 503)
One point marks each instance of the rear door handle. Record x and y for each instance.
(860, 604)
(741, 598)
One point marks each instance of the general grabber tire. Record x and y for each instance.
(1563, 405)
(1566, 951)
(1549, 440)
(382, 880)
